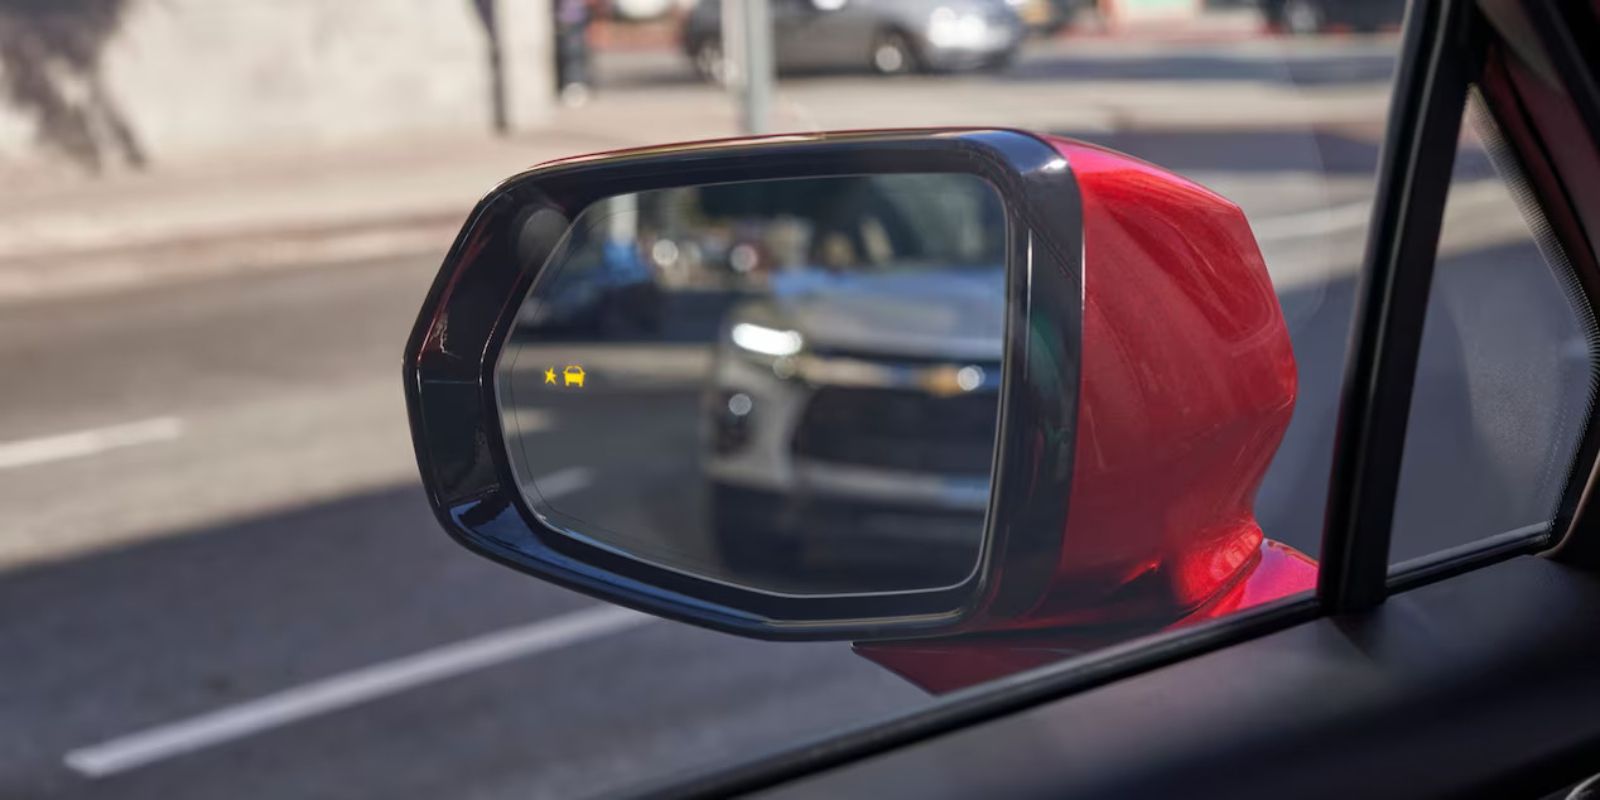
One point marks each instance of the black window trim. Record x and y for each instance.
(986, 702)
(1441, 55)
(1481, 686)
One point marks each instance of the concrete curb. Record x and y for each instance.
(224, 253)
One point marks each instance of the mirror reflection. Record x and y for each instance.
(788, 385)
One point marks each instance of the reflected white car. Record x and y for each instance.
(859, 404)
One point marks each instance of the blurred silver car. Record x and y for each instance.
(890, 37)
(861, 405)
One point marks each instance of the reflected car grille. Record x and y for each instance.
(900, 429)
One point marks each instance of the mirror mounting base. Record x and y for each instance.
(946, 664)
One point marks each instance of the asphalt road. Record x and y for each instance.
(251, 559)
(119, 640)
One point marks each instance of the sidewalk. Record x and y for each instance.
(407, 198)
(275, 210)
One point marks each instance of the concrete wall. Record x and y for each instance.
(103, 84)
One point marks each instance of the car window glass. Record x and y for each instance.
(1506, 375)
(789, 385)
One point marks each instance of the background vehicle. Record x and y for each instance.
(611, 291)
(1316, 16)
(890, 37)
(888, 328)
(900, 415)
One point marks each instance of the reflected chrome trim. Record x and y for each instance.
(942, 380)
(945, 492)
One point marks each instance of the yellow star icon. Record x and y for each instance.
(550, 375)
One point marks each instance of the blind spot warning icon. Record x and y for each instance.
(573, 375)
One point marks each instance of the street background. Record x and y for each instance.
(209, 503)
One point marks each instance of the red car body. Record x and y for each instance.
(1188, 385)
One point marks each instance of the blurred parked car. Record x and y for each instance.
(890, 37)
(1305, 17)
(828, 412)
(612, 293)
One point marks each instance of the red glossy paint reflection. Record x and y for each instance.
(953, 663)
(1188, 383)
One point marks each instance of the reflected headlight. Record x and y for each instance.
(948, 27)
(767, 341)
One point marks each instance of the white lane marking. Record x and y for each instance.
(98, 272)
(347, 689)
(1355, 216)
(563, 481)
(44, 449)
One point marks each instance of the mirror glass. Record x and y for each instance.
(788, 385)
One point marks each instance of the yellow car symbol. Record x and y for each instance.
(573, 375)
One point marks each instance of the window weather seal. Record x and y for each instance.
(1453, 561)
(983, 703)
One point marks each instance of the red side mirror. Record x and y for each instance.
(1188, 383)
(1115, 322)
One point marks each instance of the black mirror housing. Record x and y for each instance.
(469, 311)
